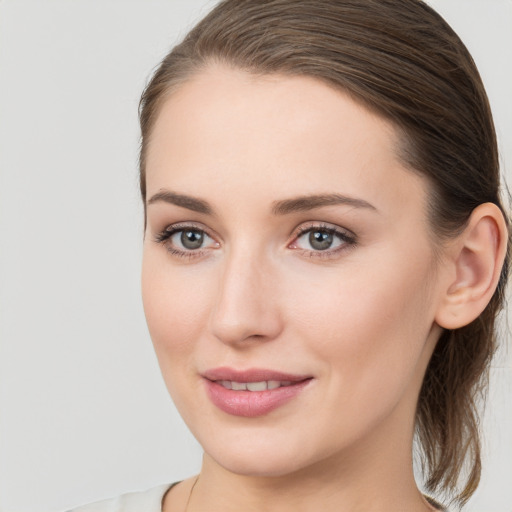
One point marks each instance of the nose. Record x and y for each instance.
(246, 307)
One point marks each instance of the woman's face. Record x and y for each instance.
(289, 281)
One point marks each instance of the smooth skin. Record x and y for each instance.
(251, 287)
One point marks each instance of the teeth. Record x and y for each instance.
(257, 386)
(253, 386)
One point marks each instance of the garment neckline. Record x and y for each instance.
(429, 499)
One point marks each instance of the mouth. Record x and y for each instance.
(254, 392)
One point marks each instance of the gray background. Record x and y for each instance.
(83, 411)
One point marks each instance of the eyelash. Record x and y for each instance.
(164, 236)
(347, 238)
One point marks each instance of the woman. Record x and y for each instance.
(325, 254)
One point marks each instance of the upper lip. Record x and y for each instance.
(251, 375)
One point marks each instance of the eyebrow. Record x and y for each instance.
(283, 207)
(188, 202)
(310, 202)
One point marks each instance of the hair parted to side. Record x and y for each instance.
(403, 61)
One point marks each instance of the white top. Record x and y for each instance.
(145, 501)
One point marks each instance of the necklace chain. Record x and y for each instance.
(190, 493)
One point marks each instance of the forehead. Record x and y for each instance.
(227, 128)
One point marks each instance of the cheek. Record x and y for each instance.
(174, 309)
(370, 324)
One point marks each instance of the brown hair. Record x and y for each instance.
(403, 61)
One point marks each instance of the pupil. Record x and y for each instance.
(192, 239)
(320, 240)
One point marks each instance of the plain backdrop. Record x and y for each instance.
(84, 413)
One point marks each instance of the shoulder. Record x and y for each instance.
(149, 501)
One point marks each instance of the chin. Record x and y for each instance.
(262, 464)
(265, 455)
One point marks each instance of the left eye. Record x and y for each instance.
(321, 239)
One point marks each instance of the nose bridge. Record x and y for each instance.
(245, 306)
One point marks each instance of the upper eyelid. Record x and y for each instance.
(186, 224)
(304, 227)
(182, 226)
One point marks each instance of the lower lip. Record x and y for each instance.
(252, 403)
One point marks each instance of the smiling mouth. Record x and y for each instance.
(254, 392)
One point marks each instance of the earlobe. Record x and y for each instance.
(477, 258)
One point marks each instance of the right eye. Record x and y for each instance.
(186, 241)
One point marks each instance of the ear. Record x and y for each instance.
(475, 259)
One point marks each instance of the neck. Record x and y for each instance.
(374, 475)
